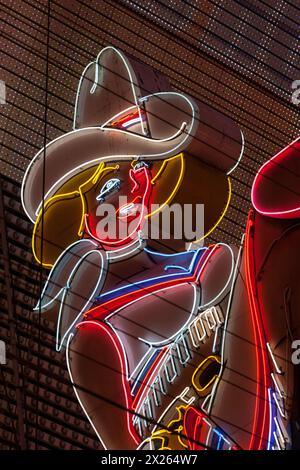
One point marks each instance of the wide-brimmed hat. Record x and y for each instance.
(275, 189)
(122, 111)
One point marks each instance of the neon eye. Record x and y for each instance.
(110, 185)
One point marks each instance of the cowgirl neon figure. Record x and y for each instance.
(119, 304)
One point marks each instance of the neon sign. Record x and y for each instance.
(135, 320)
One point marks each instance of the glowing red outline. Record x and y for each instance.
(156, 364)
(122, 121)
(197, 433)
(258, 174)
(123, 241)
(128, 400)
(123, 300)
(258, 430)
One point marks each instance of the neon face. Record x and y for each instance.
(134, 188)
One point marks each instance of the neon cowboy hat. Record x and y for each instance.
(121, 114)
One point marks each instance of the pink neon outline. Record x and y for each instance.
(123, 241)
(110, 304)
(123, 374)
(289, 211)
(209, 255)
